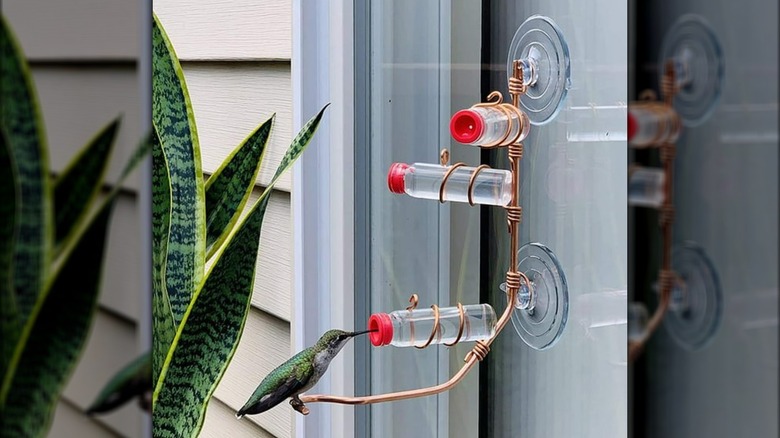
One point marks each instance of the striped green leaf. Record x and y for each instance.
(164, 325)
(55, 335)
(9, 212)
(206, 340)
(228, 189)
(19, 116)
(175, 124)
(298, 145)
(131, 381)
(80, 183)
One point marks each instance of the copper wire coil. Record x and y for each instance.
(495, 100)
(473, 180)
(446, 178)
(461, 326)
(516, 151)
(666, 278)
(480, 351)
(668, 83)
(469, 188)
(666, 214)
(436, 331)
(668, 151)
(516, 86)
(436, 328)
(514, 214)
(513, 279)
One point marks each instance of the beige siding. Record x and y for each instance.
(236, 60)
(219, 413)
(111, 345)
(69, 419)
(76, 30)
(78, 101)
(83, 59)
(231, 100)
(228, 29)
(122, 268)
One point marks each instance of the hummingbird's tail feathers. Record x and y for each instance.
(265, 403)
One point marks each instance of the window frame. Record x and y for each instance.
(323, 200)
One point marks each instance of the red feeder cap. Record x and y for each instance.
(395, 177)
(466, 126)
(383, 329)
(633, 126)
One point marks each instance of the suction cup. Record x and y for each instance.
(693, 47)
(695, 309)
(543, 310)
(540, 46)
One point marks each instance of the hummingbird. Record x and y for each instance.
(299, 374)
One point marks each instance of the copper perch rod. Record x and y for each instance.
(666, 276)
(481, 348)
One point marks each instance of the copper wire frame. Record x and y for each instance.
(514, 278)
(666, 276)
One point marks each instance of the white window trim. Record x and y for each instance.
(323, 200)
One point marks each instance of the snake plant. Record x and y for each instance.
(199, 313)
(53, 233)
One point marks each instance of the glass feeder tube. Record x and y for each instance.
(423, 180)
(646, 187)
(413, 328)
(652, 125)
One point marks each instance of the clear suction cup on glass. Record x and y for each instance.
(543, 309)
(542, 50)
(693, 48)
(695, 308)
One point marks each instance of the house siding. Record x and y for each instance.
(85, 71)
(236, 61)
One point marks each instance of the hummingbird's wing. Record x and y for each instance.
(282, 383)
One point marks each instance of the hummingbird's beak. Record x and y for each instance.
(353, 334)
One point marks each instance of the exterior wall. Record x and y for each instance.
(236, 60)
(83, 55)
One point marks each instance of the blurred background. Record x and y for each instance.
(726, 202)
(86, 59)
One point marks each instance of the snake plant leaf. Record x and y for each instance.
(164, 325)
(9, 212)
(207, 338)
(298, 145)
(55, 335)
(80, 183)
(131, 381)
(19, 116)
(174, 120)
(228, 189)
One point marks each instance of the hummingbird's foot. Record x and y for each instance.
(298, 405)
